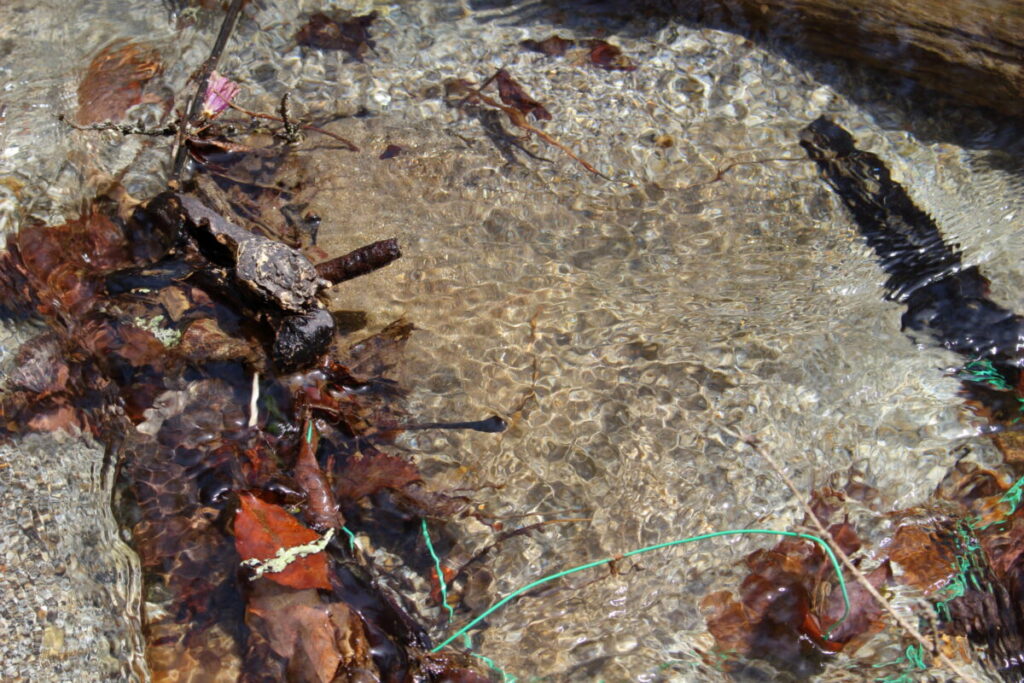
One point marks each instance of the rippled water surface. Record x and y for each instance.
(624, 327)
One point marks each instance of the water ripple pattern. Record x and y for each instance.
(618, 324)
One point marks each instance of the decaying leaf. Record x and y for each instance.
(321, 506)
(390, 152)
(600, 53)
(512, 94)
(320, 640)
(609, 57)
(552, 46)
(464, 92)
(865, 615)
(925, 562)
(115, 81)
(790, 606)
(375, 355)
(205, 340)
(263, 529)
(351, 35)
(368, 474)
(62, 416)
(40, 366)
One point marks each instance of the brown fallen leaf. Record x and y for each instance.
(776, 616)
(727, 621)
(59, 417)
(115, 81)
(39, 366)
(609, 57)
(262, 529)
(600, 53)
(865, 616)
(552, 46)
(390, 152)
(321, 506)
(468, 93)
(926, 562)
(320, 640)
(204, 340)
(369, 474)
(512, 94)
(375, 355)
(325, 33)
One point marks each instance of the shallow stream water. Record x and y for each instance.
(625, 327)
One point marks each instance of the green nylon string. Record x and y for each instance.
(351, 537)
(440, 573)
(608, 560)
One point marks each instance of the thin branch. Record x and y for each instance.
(123, 128)
(518, 119)
(195, 108)
(257, 115)
(857, 574)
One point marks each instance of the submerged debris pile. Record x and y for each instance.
(962, 551)
(188, 334)
(249, 437)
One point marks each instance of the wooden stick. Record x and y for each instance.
(195, 107)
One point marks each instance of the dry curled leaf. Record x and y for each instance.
(321, 507)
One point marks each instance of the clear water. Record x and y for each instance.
(623, 326)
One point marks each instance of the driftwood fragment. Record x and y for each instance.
(360, 261)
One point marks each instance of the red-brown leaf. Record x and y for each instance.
(261, 529)
(325, 33)
(512, 94)
(115, 81)
(552, 46)
(321, 508)
(316, 637)
(865, 612)
(61, 416)
(927, 563)
(372, 473)
(609, 57)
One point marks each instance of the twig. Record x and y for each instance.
(518, 119)
(857, 574)
(720, 172)
(124, 128)
(257, 115)
(195, 108)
